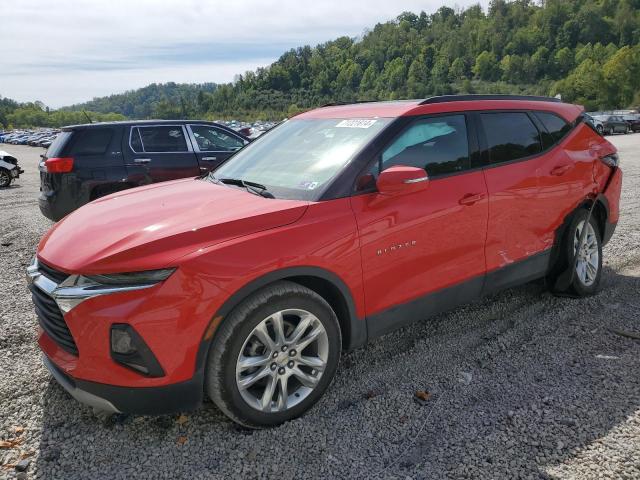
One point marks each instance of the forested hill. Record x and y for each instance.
(587, 50)
(157, 99)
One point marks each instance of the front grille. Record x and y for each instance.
(51, 273)
(52, 321)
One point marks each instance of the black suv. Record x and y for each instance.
(89, 161)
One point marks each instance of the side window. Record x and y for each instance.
(161, 139)
(135, 142)
(510, 136)
(437, 144)
(211, 139)
(91, 141)
(556, 127)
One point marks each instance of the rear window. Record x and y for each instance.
(91, 141)
(58, 144)
(510, 136)
(556, 127)
(160, 139)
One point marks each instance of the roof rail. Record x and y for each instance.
(337, 104)
(466, 98)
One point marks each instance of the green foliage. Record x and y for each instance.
(158, 100)
(586, 50)
(24, 115)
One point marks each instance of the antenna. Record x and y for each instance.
(87, 115)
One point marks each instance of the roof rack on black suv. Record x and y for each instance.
(469, 98)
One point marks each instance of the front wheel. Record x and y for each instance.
(600, 129)
(5, 178)
(273, 356)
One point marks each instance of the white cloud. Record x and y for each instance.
(69, 51)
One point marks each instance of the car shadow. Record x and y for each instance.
(519, 383)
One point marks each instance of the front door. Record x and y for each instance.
(213, 145)
(157, 153)
(426, 242)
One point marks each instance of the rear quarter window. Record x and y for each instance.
(56, 148)
(556, 128)
(92, 141)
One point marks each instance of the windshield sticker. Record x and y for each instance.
(308, 185)
(355, 123)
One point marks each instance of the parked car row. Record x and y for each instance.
(35, 138)
(247, 283)
(608, 124)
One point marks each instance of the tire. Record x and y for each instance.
(627, 130)
(231, 384)
(588, 270)
(600, 130)
(5, 178)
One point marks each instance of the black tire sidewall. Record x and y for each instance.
(577, 286)
(222, 375)
(5, 178)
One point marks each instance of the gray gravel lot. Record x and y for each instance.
(522, 384)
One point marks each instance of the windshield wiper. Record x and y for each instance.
(249, 186)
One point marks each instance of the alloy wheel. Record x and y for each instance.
(588, 254)
(282, 360)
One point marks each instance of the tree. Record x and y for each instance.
(563, 62)
(418, 79)
(622, 76)
(486, 66)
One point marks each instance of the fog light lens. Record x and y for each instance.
(121, 342)
(130, 350)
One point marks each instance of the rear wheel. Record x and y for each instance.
(5, 178)
(274, 355)
(584, 258)
(600, 129)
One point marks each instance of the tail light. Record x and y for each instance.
(612, 160)
(59, 165)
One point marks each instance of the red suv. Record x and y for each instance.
(338, 226)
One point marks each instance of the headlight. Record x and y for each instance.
(149, 277)
(78, 288)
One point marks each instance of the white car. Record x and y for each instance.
(9, 169)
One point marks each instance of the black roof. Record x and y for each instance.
(467, 98)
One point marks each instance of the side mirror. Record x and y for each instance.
(400, 180)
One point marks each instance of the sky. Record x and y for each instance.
(68, 51)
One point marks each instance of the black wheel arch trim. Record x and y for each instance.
(354, 329)
(607, 228)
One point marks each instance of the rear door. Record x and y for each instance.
(213, 145)
(157, 153)
(529, 187)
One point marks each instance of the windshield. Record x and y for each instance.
(299, 158)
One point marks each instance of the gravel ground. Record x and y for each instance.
(522, 385)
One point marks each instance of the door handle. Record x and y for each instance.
(560, 170)
(209, 159)
(471, 198)
(142, 160)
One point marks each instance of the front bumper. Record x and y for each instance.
(166, 399)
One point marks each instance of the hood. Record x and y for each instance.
(152, 227)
